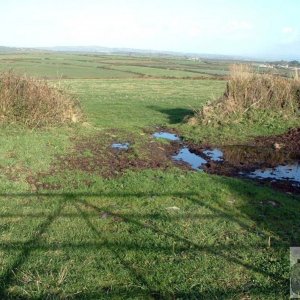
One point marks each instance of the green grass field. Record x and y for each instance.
(163, 233)
(88, 66)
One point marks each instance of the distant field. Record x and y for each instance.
(141, 103)
(159, 72)
(60, 65)
(92, 66)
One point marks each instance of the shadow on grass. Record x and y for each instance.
(175, 115)
(85, 210)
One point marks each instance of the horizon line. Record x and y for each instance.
(155, 51)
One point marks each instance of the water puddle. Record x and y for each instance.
(241, 160)
(166, 135)
(120, 146)
(248, 155)
(290, 172)
(214, 154)
(193, 160)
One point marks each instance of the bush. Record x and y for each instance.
(33, 103)
(249, 93)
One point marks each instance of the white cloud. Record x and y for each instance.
(287, 30)
(239, 25)
(289, 35)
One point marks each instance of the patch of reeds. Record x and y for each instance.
(34, 103)
(249, 92)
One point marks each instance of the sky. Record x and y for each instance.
(251, 28)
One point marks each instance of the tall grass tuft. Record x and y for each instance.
(249, 94)
(33, 103)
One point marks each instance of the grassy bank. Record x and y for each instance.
(252, 104)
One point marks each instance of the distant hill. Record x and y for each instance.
(108, 50)
(138, 52)
(4, 49)
(128, 51)
(7, 49)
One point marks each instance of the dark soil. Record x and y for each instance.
(260, 153)
(95, 155)
(289, 141)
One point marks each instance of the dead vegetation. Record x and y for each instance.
(34, 103)
(249, 92)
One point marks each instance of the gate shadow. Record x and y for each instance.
(80, 201)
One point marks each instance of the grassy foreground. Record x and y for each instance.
(149, 234)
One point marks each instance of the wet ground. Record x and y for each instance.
(270, 162)
(290, 172)
(110, 154)
(166, 135)
(185, 155)
(290, 140)
(120, 146)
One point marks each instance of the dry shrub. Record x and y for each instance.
(248, 92)
(33, 103)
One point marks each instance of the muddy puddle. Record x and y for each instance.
(255, 162)
(166, 135)
(290, 173)
(214, 154)
(120, 146)
(107, 156)
(195, 161)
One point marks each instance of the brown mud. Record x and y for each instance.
(95, 155)
(290, 141)
(260, 153)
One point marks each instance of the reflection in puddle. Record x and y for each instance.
(214, 154)
(282, 172)
(166, 135)
(195, 161)
(252, 155)
(120, 146)
(238, 155)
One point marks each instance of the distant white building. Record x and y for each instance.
(283, 66)
(266, 66)
(194, 58)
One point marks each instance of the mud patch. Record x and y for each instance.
(15, 172)
(95, 155)
(269, 162)
(290, 141)
(290, 173)
(279, 168)
(106, 155)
